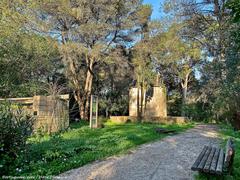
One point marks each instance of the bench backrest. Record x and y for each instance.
(229, 155)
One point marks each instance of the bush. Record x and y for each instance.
(117, 105)
(174, 107)
(16, 126)
(198, 112)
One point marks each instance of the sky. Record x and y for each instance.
(156, 7)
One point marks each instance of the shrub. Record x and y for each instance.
(16, 126)
(198, 111)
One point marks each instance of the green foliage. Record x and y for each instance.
(226, 99)
(114, 105)
(142, 61)
(26, 61)
(198, 111)
(228, 132)
(235, 10)
(16, 127)
(174, 104)
(80, 145)
(178, 57)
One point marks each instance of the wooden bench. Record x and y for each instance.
(213, 160)
(164, 131)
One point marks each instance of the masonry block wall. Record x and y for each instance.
(51, 113)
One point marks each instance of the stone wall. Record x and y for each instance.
(166, 120)
(162, 120)
(120, 119)
(51, 113)
(156, 106)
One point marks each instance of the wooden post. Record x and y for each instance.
(91, 106)
(94, 112)
(97, 112)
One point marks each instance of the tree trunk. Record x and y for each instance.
(77, 97)
(184, 99)
(81, 110)
(88, 88)
(81, 96)
(184, 85)
(106, 112)
(185, 88)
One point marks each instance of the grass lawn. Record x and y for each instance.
(228, 132)
(51, 155)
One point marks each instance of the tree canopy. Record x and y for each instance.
(104, 47)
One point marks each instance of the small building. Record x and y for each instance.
(51, 112)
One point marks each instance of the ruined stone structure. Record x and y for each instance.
(51, 113)
(163, 120)
(154, 106)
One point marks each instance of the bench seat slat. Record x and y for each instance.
(214, 161)
(204, 159)
(199, 158)
(219, 168)
(209, 160)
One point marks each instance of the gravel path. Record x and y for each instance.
(169, 158)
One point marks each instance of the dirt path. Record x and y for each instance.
(169, 158)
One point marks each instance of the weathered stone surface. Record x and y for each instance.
(51, 113)
(163, 120)
(119, 119)
(155, 107)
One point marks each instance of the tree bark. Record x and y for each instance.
(106, 112)
(77, 96)
(88, 88)
(81, 109)
(184, 85)
(82, 97)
